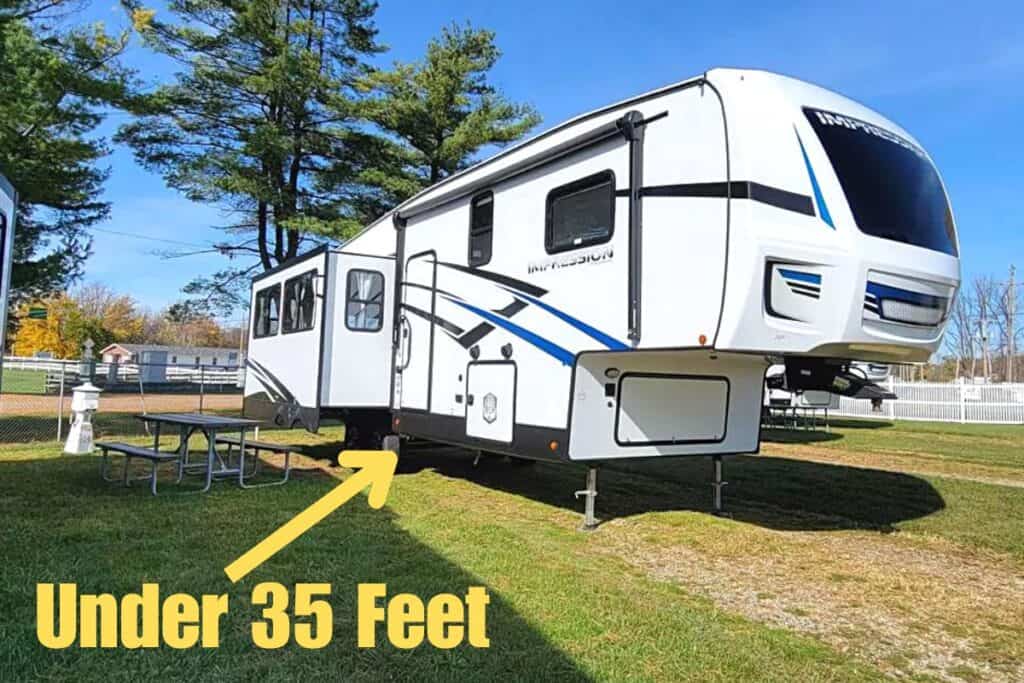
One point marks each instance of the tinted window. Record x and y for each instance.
(265, 314)
(893, 189)
(481, 228)
(299, 303)
(364, 303)
(581, 213)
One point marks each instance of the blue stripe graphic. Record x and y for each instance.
(801, 276)
(552, 349)
(881, 291)
(593, 333)
(819, 199)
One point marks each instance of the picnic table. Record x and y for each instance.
(210, 426)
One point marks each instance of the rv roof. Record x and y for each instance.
(786, 83)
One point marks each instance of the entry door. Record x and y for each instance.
(416, 336)
(491, 400)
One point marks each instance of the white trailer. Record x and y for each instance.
(8, 204)
(617, 286)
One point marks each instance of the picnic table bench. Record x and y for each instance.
(256, 447)
(129, 451)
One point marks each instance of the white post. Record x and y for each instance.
(892, 404)
(963, 402)
(60, 403)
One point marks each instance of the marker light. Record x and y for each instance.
(703, 339)
(553, 446)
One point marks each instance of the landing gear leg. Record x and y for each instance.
(590, 493)
(717, 485)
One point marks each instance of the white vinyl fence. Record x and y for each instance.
(945, 402)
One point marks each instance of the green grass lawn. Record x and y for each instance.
(565, 605)
(21, 381)
(970, 444)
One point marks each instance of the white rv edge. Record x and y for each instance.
(617, 286)
(8, 206)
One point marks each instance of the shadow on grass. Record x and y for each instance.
(107, 539)
(777, 493)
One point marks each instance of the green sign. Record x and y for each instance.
(37, 313)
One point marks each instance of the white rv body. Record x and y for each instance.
(617, 286)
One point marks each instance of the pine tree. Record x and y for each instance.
(443, 110)
(55, 84)
(260, 120)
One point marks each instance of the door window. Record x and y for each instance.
(364, 302)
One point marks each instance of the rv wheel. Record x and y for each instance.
(359, 439)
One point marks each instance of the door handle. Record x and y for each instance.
(469, 399)
(407, 342)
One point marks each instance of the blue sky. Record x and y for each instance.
(951, 75)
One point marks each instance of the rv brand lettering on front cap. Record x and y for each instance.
(828, 118)
(594, 256)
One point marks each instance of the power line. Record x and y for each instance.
(150, 238)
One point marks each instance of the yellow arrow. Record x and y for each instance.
(374, 469)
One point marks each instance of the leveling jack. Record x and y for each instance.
(590, 493)
(717, 485)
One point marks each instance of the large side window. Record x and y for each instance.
(364, 301)
(267, 311)
(581, 213)
(481, 229)
(299, 303)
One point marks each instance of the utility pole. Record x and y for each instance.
(983, 334)
(1011, 328)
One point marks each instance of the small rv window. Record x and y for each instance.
(265, 313)
(299, 303)
(364, 303)
(481, 228)
(581, 213)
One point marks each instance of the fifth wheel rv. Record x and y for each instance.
(617, 286)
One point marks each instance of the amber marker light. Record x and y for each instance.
(553, 446)
(703, 339)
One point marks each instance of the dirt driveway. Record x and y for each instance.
(35, 405)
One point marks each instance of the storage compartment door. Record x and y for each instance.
(491, 401)
(659, 409)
